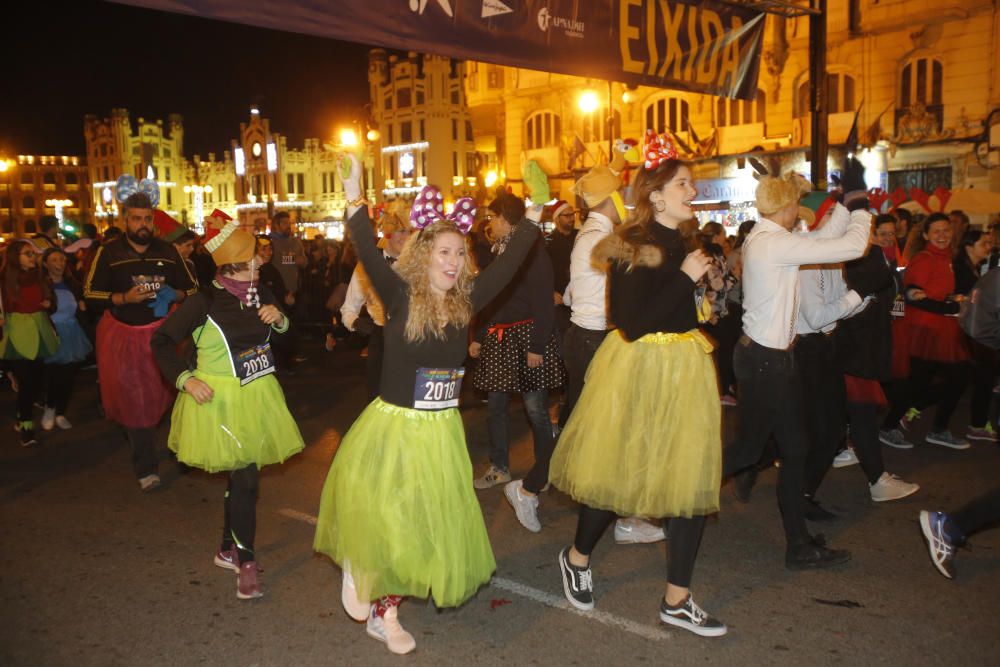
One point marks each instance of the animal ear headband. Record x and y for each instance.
(128, 185)
(428, 208)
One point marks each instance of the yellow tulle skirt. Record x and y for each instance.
(644, 438)
(398, 508)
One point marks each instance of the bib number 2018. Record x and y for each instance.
(253, 363)
(437, 388)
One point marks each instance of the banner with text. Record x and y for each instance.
(706, 47)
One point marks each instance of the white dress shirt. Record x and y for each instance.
(771, 259)
(824, 300)
(586, 293)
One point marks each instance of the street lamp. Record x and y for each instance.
(59, 205)
(588, 102)
(348, 137)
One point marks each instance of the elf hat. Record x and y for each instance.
(819, 204)
(170, 229)
(224, 239)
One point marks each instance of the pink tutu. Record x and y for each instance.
(132, 390)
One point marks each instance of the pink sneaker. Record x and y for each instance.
(247, 587)
(230, 560)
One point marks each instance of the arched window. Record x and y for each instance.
(596, 128)
(49, 178)
(30, 227)
(5, 202)
(28, 202)
(667, 113)
(542, 129)
(741, 112)
(921, 81)
(840, 96)
(27, 178)
(71, 178)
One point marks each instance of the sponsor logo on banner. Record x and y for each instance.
(546, 20)
(494, 8)
(419, 6)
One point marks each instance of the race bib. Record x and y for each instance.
(253, 363)
(287, 258)
(437, 388)
(149, 283)
(898, 306)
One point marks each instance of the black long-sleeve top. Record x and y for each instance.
(647, 299)
(864, 341)
(527, 297)
(118, 267)
(560, 248)
(404, 357)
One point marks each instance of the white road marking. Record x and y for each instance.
(541, 597)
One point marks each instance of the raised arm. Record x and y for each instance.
(387, 283)
(799, 249)
(502, 269)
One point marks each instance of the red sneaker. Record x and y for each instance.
(247, 587)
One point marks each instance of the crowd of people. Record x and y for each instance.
(827, 327)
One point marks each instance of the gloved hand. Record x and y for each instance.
(537, 182)
(350, 175)
(161, 304)
(855, 190)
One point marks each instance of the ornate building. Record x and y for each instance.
(33, 186)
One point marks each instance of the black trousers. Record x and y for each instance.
(239, 526)
(863, 418)
(984, 377)
(922, 391)
(825, 415)
(684, 538)
(29, 374)
(373, 365)
(579, 347)
(59, 381)
(726, 332)
(771, 402)
(144, 460)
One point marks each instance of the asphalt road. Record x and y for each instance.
(94, 572)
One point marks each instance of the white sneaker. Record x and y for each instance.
(525, 505)
(845, 458)
(48, 419)
(355, 608)
(387, 629)
(634, 530)
(63, 423)
(491, 478)
(890, 487)
(149, 482)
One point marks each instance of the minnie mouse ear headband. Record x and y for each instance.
(428, 208)
(127, 185)
(657, 148)
(227, 243)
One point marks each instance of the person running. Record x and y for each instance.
(74, 346)
(230, 415)
(137, 278)
(518, 353)
(398, 513)
(644, 438)
(28, 335)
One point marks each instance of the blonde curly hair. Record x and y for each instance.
(429, 314)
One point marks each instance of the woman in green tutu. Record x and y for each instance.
(398, 512)
(644, 438)
(28, 335)
(230, 414)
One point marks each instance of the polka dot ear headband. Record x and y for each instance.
(658, 148)
(127, 185)
(428, 208)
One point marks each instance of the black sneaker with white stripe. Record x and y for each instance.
(578, 583)
(692, 617)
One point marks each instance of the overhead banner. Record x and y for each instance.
(706, 47)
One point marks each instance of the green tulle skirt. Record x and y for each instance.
(28, 336)
(239, 426)
(398, 509)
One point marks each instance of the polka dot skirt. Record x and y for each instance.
(503, 363)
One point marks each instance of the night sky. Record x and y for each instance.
(61, 61)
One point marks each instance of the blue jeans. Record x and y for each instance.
(536, 404)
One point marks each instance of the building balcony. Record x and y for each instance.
(838, 127)
(740, 138)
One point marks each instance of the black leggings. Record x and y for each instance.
(922, 391)
(240, 516)
(684, 538)
(29, 374)
(59, 380)
(863, 418)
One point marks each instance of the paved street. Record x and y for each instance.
(94, 572)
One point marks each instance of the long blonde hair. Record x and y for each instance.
(430, 314)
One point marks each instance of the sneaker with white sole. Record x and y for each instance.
(247, 586)
(845, 458)
(983, 433)
(525, 505)
(891, 487)
(149, 482)
(227, 559)
(939, 545)
(691, 617)
(633, 530)
(946, 439)
(492, 477)
(48, 419)
(386, 629)
(894, 438)
(357, 609)
(578, 582)
(63, 423)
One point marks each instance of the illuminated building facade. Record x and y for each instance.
(33, 186)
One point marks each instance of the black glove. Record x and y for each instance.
(855, 190)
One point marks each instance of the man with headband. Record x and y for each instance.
(136, 278)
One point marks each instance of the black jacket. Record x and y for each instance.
(864, 342)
